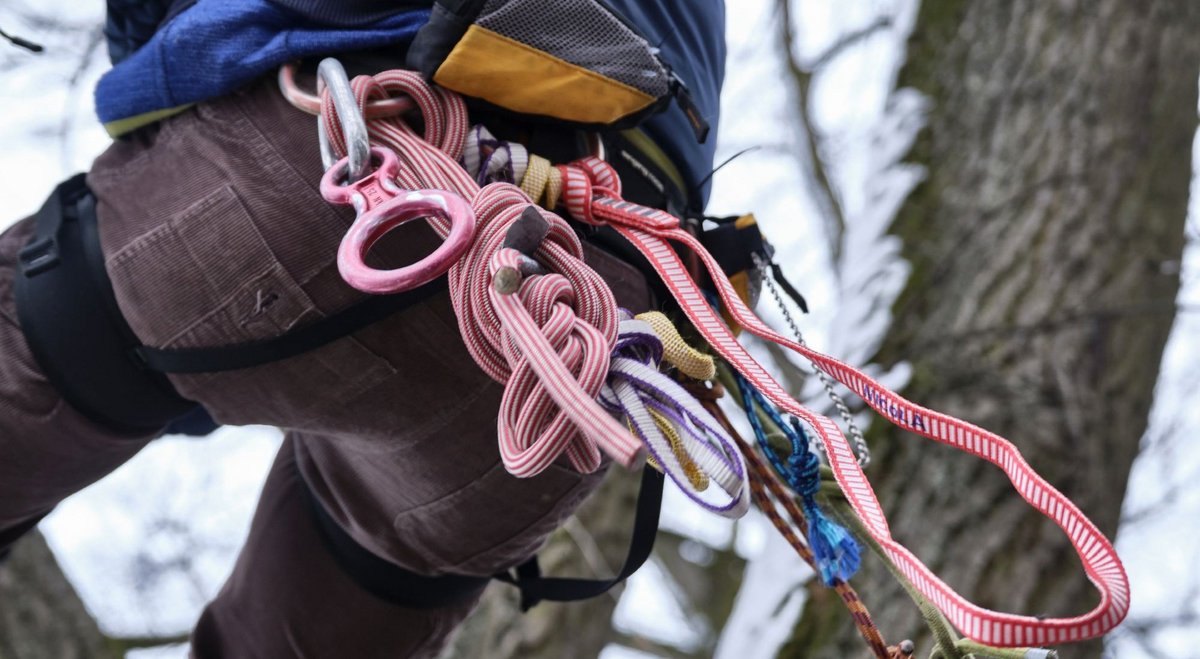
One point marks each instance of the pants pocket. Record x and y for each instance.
(494, 522)
(206, 277)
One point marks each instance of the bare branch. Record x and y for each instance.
(95, 39)
(120, 645)
(851, 39)
(643, 644)
(824, 192)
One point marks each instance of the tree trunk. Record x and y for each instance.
(41, 617)
(1045, 246)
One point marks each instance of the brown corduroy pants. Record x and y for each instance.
(215, 233)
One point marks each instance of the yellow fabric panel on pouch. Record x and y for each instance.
(516, 77)
(741, 280)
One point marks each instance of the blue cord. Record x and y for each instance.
(835, 551)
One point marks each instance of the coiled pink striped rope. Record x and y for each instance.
(550, 339)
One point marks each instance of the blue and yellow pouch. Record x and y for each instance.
(578, 62)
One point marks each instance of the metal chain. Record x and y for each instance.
(861, 450)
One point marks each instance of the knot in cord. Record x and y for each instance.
(835, 552)
(592, 195)
(804, 467)
(547, 337)
(532, 432)
(683, 439)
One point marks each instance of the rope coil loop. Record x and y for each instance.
(549, 337)
(649, 230)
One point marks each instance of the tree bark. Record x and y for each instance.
(41, 617)
(1045, 246)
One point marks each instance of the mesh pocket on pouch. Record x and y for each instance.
(581, 32)
(572, 61)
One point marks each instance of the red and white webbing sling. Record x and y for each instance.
(591, 193)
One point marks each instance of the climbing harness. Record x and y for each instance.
(535, 317)
(564, 369)
(61, 286)
(106, 373)
(592, 196)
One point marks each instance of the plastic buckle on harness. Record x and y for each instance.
(39, 256)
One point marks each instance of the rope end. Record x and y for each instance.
(507, 280)
(837, 554)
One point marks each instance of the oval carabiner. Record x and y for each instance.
(331, 74)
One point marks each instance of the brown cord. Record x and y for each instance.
(762, 480)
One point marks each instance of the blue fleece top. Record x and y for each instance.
(215, 46)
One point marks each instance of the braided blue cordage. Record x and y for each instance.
(836, 553)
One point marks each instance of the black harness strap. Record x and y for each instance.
(73, 327)
(291, 344)
(536, 588)
(384, 579)
(105, 372)
(402, 587)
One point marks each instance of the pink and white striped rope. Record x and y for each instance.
(550, 340)
(502, 327)
(593, 195)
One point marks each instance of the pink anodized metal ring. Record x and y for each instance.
(369, 227)
(382, 206)
(375, 188)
